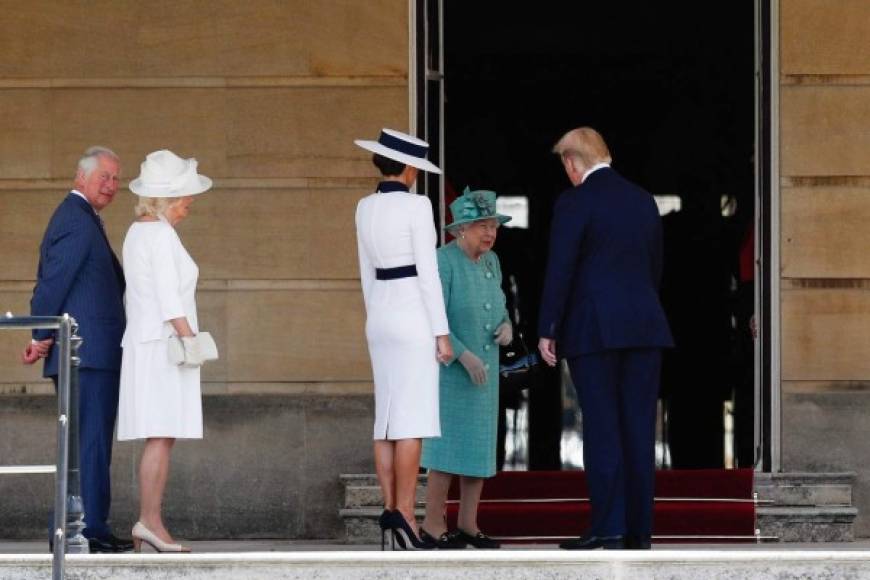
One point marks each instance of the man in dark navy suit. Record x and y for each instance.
(79, 274)
(600, 310)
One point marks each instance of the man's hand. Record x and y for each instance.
(36, 350)
(547, 347)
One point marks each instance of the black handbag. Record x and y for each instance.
(517, 365)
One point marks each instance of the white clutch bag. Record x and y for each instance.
(192, 351)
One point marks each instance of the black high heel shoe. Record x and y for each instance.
(385, 522)
(405, 536)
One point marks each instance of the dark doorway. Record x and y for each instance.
(671, 87)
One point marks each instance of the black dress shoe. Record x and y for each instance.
(593, 543)
(109, 545)
(446, 541)
(479, 540)
(634, 542)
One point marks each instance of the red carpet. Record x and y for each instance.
(712, 505)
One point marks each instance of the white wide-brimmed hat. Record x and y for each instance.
(165, 174)
(401, 147)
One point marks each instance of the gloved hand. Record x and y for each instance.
(474, 366)
(192, 355)
(504, 334)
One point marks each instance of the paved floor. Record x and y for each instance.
(235, 546)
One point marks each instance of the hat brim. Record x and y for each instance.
(502, 219)
(140, 188)
(417, 162)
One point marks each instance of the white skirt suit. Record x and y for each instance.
(157, 398)
(403, 316)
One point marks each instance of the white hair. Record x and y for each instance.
(88, 161)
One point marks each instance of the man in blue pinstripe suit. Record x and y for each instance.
(79, 274)
(601, 306)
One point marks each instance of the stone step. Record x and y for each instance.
(785, 489)
(807, 523)
(367, 479)
(743, 564)
(361, 524)
(805, 489)
(787, 523)
(358, 496)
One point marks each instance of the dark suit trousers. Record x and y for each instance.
(98, 407)
(618, 390)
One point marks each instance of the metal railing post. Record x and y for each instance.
(76, 543)
(63, 418)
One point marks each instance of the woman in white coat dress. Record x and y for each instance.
(159, 401)
(406, 324)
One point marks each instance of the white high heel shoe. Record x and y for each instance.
(143, 534)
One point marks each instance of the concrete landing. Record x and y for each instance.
(667, 564)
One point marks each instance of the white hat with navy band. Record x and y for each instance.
(401, 147)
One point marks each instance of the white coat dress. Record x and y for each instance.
(403, 316)
(157, 398)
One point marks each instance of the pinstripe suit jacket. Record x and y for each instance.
(79, 274)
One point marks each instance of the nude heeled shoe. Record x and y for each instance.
(143, 534)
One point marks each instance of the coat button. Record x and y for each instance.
(486, 347)
(489, 274)
(487, 326)
(487, 306)
(486, 366)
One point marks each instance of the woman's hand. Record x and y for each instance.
(504, 334)
(444, 349)
(474, 366)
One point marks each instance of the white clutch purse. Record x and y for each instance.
(192, 351)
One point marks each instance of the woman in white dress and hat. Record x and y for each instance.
(406, 324)
(159, 401)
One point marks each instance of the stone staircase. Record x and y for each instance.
(807, 507)
(363, 504)
(803, 507)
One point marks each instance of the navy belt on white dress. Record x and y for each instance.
(396, 273)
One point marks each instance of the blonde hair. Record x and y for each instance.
(153, 206)
(584, 143)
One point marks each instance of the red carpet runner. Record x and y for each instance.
(703, 505)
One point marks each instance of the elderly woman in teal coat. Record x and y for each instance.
(479, 324)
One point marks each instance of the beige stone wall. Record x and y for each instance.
(825, 219)
(269, 97)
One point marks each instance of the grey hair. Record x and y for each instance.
(457, 231)
(88, 161)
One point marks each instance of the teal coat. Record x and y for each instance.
(469, 413)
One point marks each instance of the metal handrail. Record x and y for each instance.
(68, 507)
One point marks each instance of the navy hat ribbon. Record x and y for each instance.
(402, 146)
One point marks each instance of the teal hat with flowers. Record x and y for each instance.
(473, 206)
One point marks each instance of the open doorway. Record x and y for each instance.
(671, 86)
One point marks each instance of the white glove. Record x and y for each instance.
(504, 334)
(474, 366)
(192, 355)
